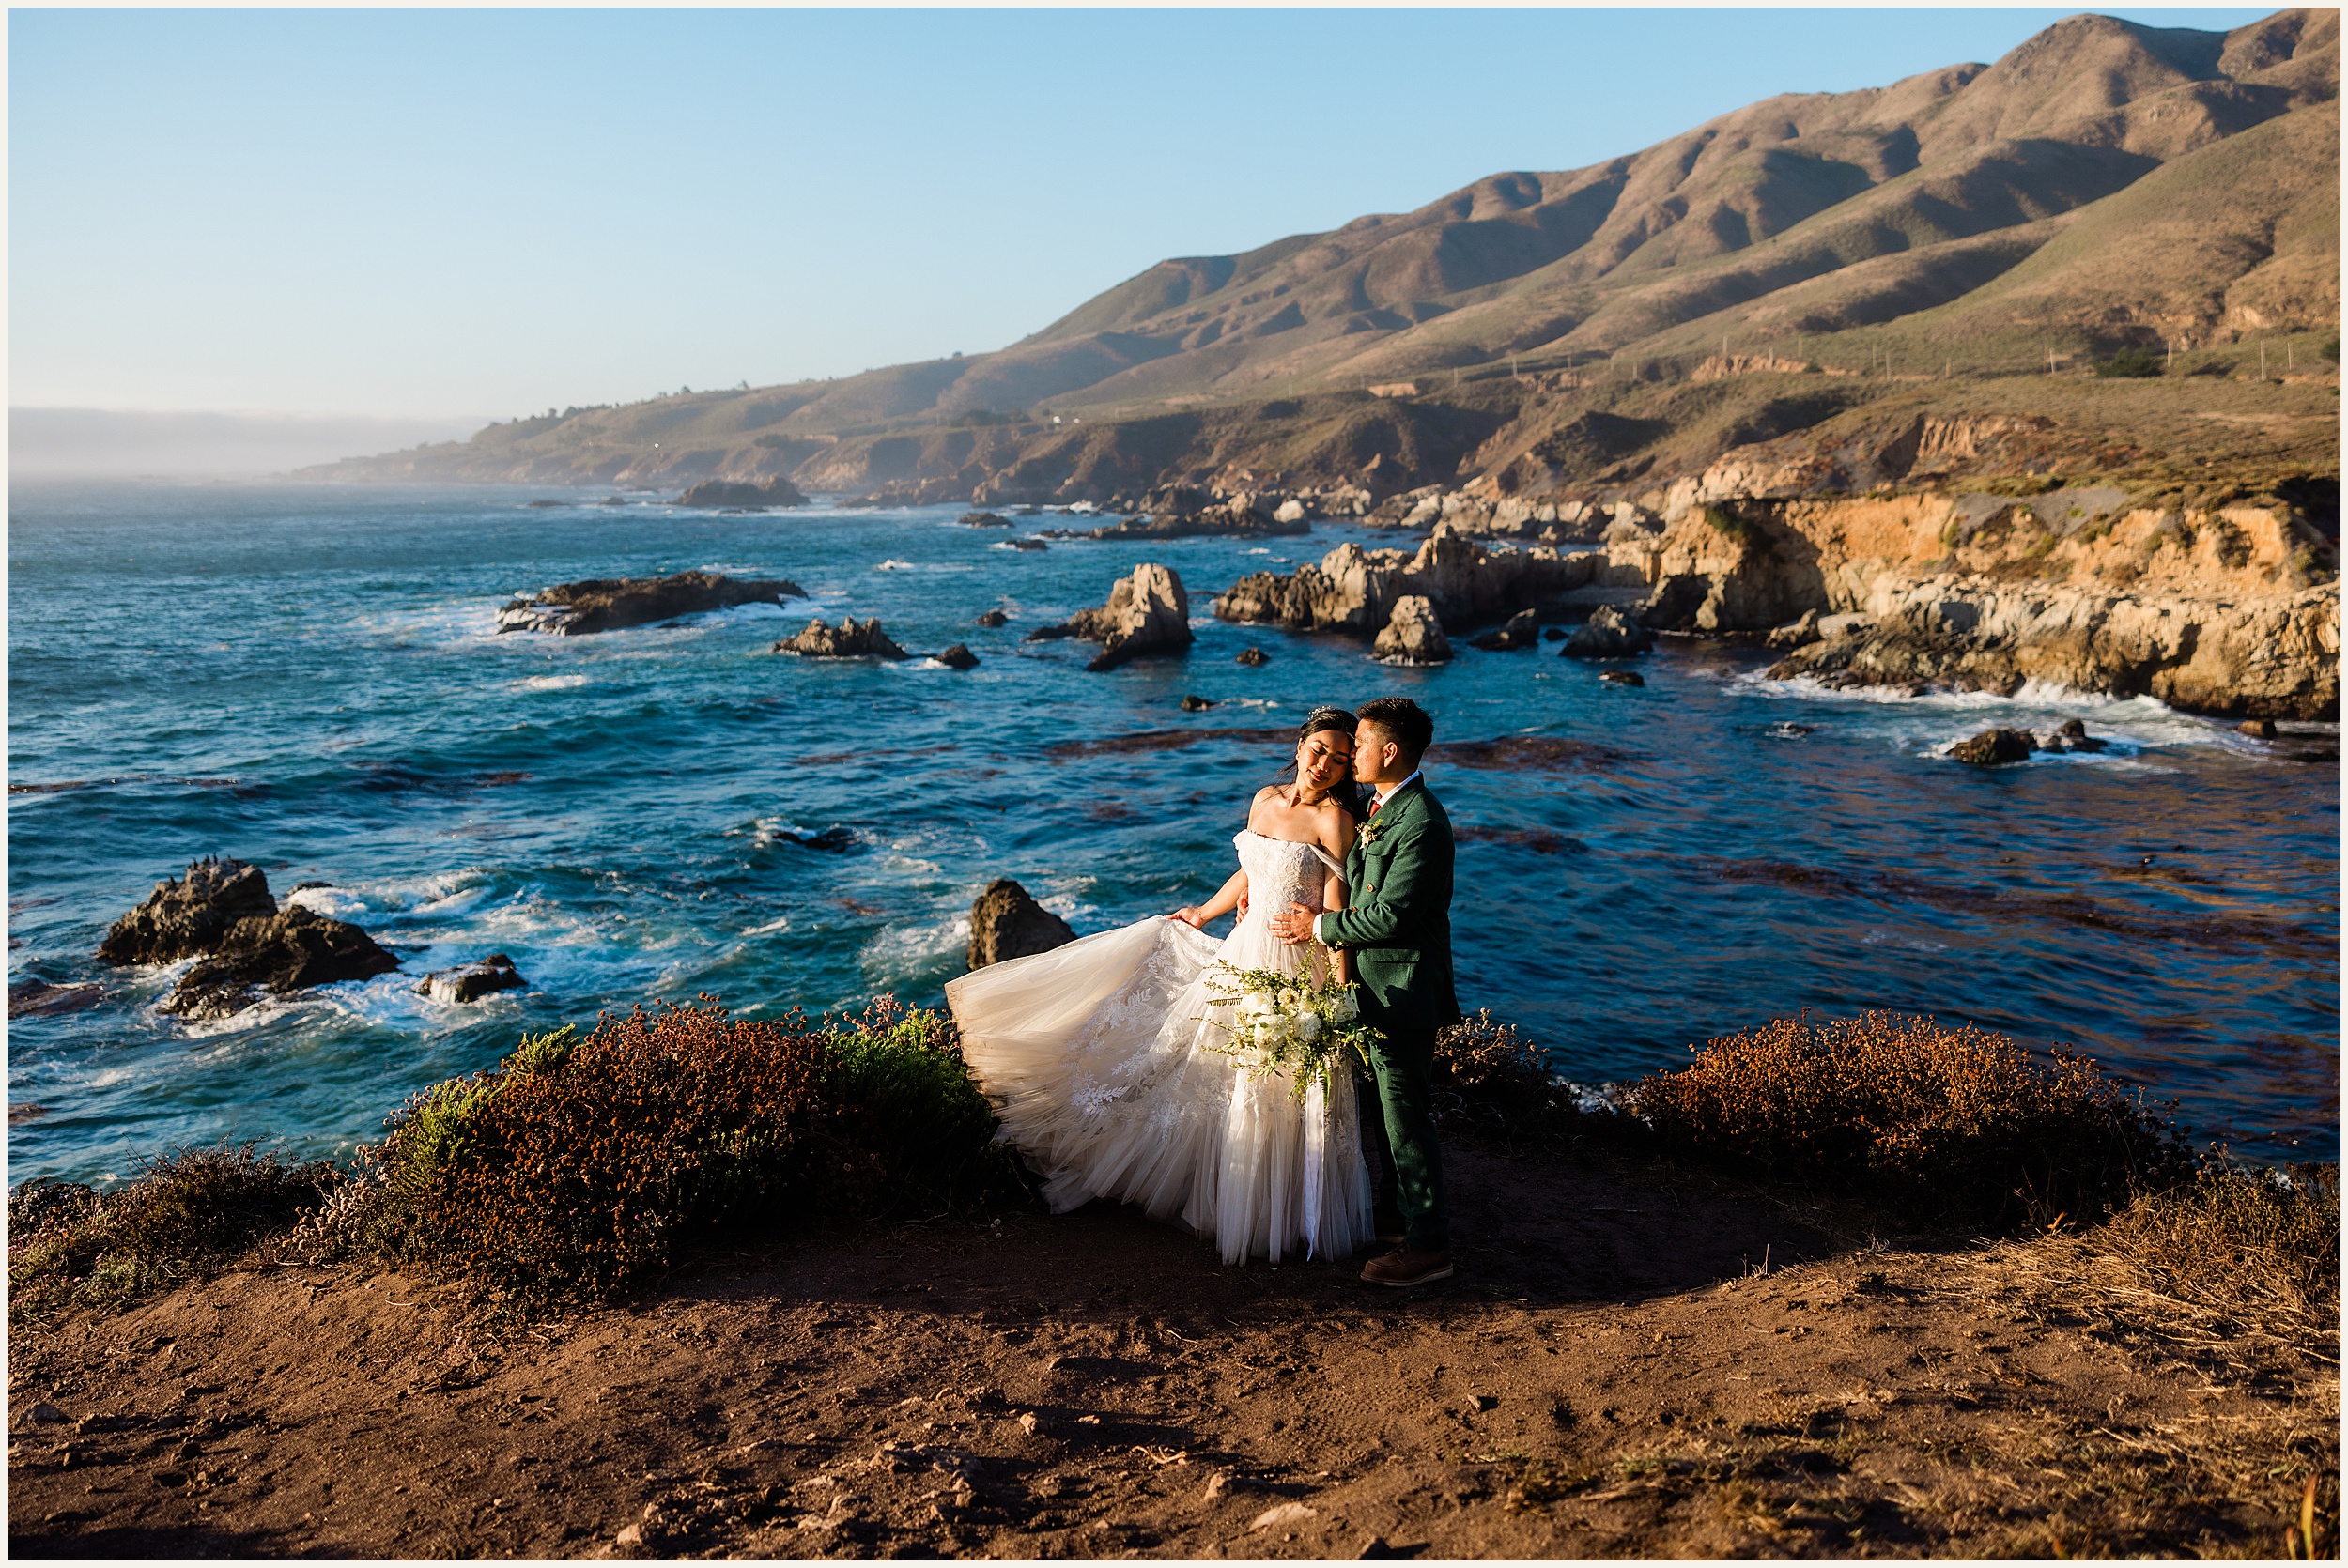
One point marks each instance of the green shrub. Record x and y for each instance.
(2131, 363)
(186, 1213)
(1944, 1126)
(587, 1166)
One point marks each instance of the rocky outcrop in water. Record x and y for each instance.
(1147, 612)
(612, 604)
(472, 982)
(2233, 611)
(187, 918)
(1355, 590)
(1413, 633)
(1188, 511)
(1608, 633)
(728, 492)
(851, 639)
(222, 913)
(289, 951)
(958, 657)
(1995, 747)
(1524, 630)
(1007, 923)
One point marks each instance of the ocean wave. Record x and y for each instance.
(551, 683)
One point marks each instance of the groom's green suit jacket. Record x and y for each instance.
(1398, 913)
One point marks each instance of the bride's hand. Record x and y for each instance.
(1188, 915)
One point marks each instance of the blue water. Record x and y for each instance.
(307, 678)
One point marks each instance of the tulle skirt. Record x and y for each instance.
(1097, 1055)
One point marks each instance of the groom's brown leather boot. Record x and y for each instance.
(1407, 1265)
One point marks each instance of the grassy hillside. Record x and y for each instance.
(2102, 185)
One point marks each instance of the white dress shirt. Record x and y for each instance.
(1320, 933)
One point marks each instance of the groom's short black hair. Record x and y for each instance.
(1404, 721)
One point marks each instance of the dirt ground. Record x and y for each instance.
(1610, 1375)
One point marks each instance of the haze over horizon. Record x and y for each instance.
(444, 216)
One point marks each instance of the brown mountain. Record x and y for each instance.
(2105, 184)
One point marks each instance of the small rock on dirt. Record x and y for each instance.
(1283, 1513)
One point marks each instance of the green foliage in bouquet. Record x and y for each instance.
(1284, 1026)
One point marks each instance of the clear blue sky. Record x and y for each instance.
(438, 213)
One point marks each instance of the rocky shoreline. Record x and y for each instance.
(2231, 612)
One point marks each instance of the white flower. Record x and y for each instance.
(1307, 1028)
(1345, 1009)
(1256, 1005)
(1289, 997)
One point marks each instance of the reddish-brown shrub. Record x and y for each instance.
(584, 1166)
(1957, 1125)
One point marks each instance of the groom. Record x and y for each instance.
(1397, 922)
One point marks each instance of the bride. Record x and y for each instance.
(1100, 1055)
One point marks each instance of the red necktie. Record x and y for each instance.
(1374, 804)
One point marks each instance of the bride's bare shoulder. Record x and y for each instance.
(1334, 824)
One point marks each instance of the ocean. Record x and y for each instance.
(309, 678)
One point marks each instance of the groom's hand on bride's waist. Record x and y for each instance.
(1294, 925)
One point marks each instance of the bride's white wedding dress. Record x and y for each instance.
(1097, 1055)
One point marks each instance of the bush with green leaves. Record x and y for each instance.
(2131, 363)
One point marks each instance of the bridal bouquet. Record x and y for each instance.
(1286, 1025)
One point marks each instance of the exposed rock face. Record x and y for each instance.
(1353, 590)
(992, 618)
(1252, 657)
(958, 657)
(2233, 611)
(610, 604)
(1994, 748)
(223, 911)
(1146, 613)
(726, 492)
(471, 982)
(1007, 923)
(1412, 635)
(1524, 630)
(291, 950)
(851, 639)
(189, 918)
(1608, 633)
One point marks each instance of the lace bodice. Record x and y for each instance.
(1281, 872)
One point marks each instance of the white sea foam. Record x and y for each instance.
(552, 682)
(770, 928)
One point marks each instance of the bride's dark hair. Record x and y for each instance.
(1345, 792)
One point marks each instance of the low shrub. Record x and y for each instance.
(1488, 1076)
(2131, 365)
(1940, 1124)
(185, 1214)
(586, 1166)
